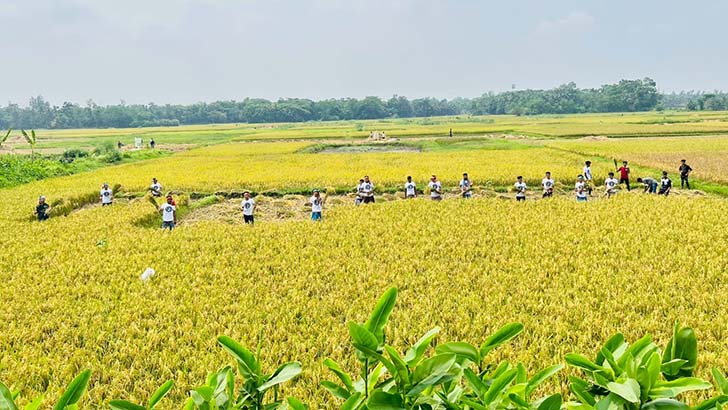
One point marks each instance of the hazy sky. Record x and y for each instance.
(183, 51)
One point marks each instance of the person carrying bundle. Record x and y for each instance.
(588, 176)
(548, 185)
(665, 184)
(317, 206)
(650, 185)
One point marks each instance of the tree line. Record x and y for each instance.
(624, 96)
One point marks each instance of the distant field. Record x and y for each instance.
(544, 126)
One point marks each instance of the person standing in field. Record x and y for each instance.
(410, 189)
(610, 184)
(169, 213)
(152, 144)
(368, 190)
(685, 171)
(520, 189)
(317, 206)
(466, 187)
(580, 189)
(42, 209)
(106, 195)
(548, 185)
(155, 188)
(359, 188)
(650, 185)
(248, 206)
(665, 184)
(435, 189)
(588, 176)
(624, 174)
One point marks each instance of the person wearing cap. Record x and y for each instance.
(580, 189)
(106, 195)
(169, 213)
(520, 187)
(367, 191)
(624, 174)
(410, 189)
(685, 171)
(317, 206)
(466, 187)
(649, 183)
(435, 189)
(155, 188)
(248, 206)
(42, 209)
(665, 184)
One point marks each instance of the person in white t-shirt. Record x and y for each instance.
(317, 206)
(520, 187)
(155, 188)
(581, 189)
(106, 195)
(548, 185)
(359, 188)
(435, 189)
(248, 206)
(410, 189)
(610, 185)
(466, 186)
(588, 177)
(367, 191)
(169, 213)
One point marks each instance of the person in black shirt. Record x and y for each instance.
(42, 209)
(684, 173)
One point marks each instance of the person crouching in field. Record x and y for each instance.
(665, 184)
(466, 187)
(650, 185)
(520, 187)
(359, 189)
(317, 206)
(42, 209)
(248, 206)
(410, 189)
(169, 213)
(685, 171)
(106, 195)
(435, 189)
(548, 185)
(580, 189)
(610, 185)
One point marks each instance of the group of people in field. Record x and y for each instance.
(583, 189)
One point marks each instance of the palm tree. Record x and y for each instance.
(31, 140)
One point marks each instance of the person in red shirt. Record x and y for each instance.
(624, 174)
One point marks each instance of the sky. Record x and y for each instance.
(185, 51)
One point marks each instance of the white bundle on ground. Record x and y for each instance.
(147, 274)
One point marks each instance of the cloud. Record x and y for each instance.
(576, 22)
